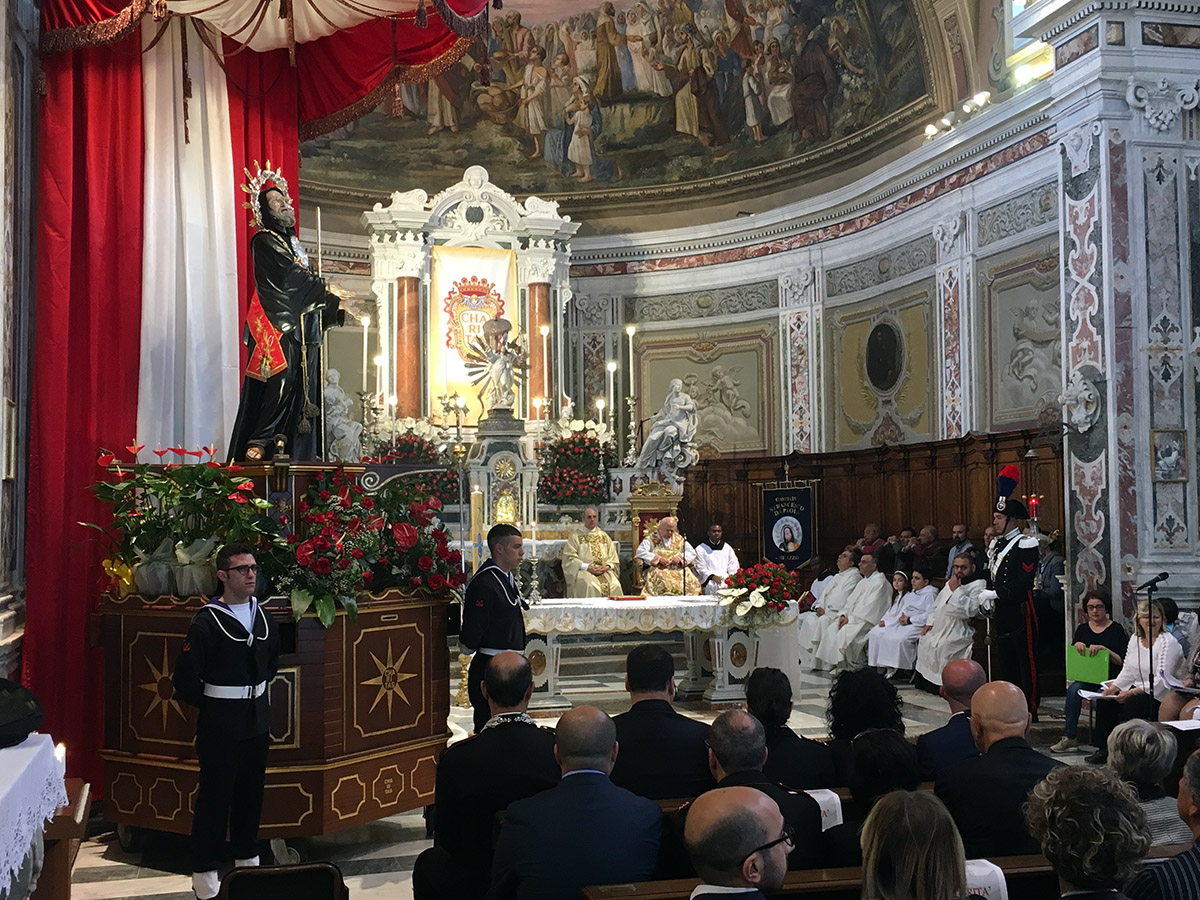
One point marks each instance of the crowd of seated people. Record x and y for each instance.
(574, 808)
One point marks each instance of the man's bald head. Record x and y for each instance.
(508, 682)
(998, 710)
(961, 678)
(585, 738)
(590, 518)
(724, 827)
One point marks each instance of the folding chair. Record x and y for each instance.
(302, 881)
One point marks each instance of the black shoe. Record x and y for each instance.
(1098, 758)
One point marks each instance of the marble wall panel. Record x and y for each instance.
(863, 414)
(799, 325)
(1021, 345)
(1193, 233)
(703, 304)
(1017, 215)
(882, 268)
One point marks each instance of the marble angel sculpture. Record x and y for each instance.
(668, 446)
(343, 435)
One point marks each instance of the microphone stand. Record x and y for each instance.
(1150, 589)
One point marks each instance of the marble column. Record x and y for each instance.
(540, 351)
(407, 352)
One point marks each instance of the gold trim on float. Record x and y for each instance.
(399, 793)
(412, 780)
(306, 794)
(337, 787)
(178, 799)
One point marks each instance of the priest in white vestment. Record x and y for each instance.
(892, 644)
(589, 561)
(948, 633)
(715, 561)
(824, 613)
(845, 644)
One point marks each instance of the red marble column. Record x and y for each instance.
(407, 351)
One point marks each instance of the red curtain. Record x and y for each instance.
(262, 126)
(85, 367)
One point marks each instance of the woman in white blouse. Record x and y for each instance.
(1142, 682)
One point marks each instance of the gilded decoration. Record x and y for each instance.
(645, 101)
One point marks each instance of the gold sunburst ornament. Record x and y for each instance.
(266, 176)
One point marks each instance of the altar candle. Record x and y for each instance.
(612, 393)
(534, 554)
(629, 330)
(1033, 505)
(378, 375)
(366, 324)
(476, 523)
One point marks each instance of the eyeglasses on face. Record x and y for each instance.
(1095, 606)
(788, 837)
(243, 570)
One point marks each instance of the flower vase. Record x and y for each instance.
(196, 574)
(778, 647)
(154, 574)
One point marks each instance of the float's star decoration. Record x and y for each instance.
(389, 679)
(164, 696)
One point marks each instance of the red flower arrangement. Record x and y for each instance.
(761, 595)
(572, 470)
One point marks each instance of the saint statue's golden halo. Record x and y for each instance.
(265, 176)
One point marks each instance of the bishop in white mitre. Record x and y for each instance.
(589, 561)
(715, 561)
(824, 613)
(844, 642)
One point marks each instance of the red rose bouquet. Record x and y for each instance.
(761, 596)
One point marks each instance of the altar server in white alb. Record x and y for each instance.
(823, 616)
(715, 561)
(846, 643)
(892, 644)
(948, 633)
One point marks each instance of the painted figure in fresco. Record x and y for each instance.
(608, 70)
(815, 83)
(579, 119)
(531, 111)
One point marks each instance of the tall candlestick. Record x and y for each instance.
(612, 374)
(629, 330)
(319, 272)
(476, 524)
(366, 324)
(378, 374)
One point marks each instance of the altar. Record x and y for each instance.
(720, 656)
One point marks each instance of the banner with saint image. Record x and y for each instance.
(468, 286)
(788, 531)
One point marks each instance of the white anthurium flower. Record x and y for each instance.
(757, 599)
(744, 607)
(577, 424)
(728, 595)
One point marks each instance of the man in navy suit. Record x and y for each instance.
(985, 794)
(944, 746)
(738, 843)
(663, 754)
(584, 831)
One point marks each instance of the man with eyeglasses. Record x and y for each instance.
(738, 843)
(230, 655)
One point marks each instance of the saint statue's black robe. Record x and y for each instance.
(273, 387)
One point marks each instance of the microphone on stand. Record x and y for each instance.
(1153, 582)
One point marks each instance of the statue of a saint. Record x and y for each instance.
(343, 435)
(289, 312)
(495, 363)
(668, 446)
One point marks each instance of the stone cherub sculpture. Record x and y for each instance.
(495, 363)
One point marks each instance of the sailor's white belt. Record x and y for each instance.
(235, 691)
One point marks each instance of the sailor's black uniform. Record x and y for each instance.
(492, 622)
(225, 670)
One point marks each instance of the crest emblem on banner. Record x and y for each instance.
(470, 304)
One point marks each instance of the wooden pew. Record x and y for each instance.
(62, 838)
(1028, 877)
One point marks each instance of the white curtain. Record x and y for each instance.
(189, 379)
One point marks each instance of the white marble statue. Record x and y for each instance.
(495, 363)
(343, 435)
(668, 446)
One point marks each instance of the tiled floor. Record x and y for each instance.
(377, 859)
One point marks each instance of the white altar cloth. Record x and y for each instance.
(31, 789)
(598, 615)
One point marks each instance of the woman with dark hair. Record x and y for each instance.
(1171, 617)
(1091, 829)
(1096, 634)
(859, 699)
(881, 761)
(797, 762)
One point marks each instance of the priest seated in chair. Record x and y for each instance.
(589, 561)
(668, 562)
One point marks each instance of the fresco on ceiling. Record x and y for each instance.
(659, 92)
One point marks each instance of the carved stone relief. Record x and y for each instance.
(895, 263)
(742, 298)
(1018, 214)
(1161, 102)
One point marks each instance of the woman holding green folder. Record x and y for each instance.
(1097, 634)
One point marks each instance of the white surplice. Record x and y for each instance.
(894, 645)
